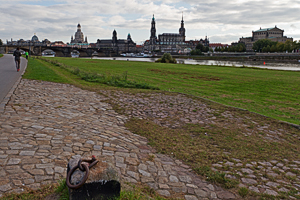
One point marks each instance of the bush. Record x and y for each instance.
(166, 58)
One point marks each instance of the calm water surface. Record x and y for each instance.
(259, 64)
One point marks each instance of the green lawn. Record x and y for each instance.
(1, 55)
(268, 92)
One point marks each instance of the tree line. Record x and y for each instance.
(200, 48)
(265, 45)
(240, 47)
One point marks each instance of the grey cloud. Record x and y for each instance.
(59, 21)
(228, 39)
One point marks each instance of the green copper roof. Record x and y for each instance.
(265, 29)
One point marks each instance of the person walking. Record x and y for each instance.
(17, 55)
(26, 54)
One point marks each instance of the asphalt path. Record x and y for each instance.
(9, 74)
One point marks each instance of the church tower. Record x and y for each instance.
(114, 38)
(129, 38)
(78, 28)
(79, 38)
(153, 32)
(182, 29)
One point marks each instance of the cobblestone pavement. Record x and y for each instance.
(45, 124)
(265, 177)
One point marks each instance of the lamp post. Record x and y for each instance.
(29, 48)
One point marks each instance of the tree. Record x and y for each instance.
(288, 46)
(200, 47)
(260, 44)
(273, 48)
(1, 43)
(280, 47)
(196, 52)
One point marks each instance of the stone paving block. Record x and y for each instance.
(201, 193)
(5, 188)
(27, 153)
(190, 197)
(144, 173)
(13, 161)
(164, 193)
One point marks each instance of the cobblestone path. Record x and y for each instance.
(270, 177)
(45, 124)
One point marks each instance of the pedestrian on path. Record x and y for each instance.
(26, 54)
(17, 55)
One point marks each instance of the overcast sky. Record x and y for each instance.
(222, 21)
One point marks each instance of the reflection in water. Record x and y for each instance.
(268, 65)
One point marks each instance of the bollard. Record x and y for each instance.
(103, 181)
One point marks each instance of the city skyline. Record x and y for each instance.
(223, 22)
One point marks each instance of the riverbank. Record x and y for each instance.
(275, 57)
(268, 92)
(253, 155)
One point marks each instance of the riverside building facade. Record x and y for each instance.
(118, 45)
(274, 34)
(170, 42)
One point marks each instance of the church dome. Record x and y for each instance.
(34, 38)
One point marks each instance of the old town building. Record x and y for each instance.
(79, 38)
(170, 42)
(118, 45)
(274, 34)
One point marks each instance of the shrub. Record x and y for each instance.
(166, 58)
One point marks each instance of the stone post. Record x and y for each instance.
(103, 182)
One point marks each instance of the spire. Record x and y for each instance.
(182, 29)
(153, 32)
(114, 38)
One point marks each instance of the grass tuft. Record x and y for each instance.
(243, 192)
(216, 177)
(62, 190)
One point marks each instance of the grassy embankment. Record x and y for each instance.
(267, 92)
(272, 93)
(1, 55)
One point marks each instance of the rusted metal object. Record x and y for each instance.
(83, 165)
(103, 182)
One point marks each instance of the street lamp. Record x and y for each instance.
(29, 48)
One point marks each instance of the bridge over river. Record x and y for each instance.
(37, 49)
